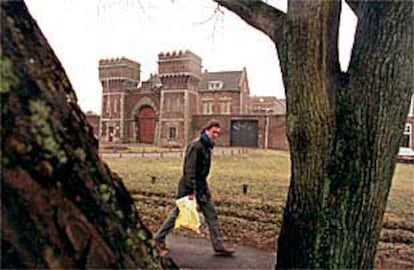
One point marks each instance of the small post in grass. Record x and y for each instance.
(245, 187)
(153, 179)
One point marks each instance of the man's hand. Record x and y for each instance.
(191, 197)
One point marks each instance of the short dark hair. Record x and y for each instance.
(212, 123)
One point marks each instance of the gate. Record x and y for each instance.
(244, 133)
(146, 125)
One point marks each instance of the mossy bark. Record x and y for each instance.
(344, 128)
(61, 205)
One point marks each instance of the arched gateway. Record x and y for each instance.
(146, 125)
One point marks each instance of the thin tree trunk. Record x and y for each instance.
(61, 205)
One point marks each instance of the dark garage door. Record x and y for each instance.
(244, 133)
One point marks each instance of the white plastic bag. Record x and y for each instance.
(188, 216)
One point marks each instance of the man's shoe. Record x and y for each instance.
(224, 251)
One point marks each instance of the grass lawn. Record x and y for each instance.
(255, 218)
(265, 172)
(134, 148)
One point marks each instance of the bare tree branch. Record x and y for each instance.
(258, 14)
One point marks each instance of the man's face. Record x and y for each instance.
(213, 133)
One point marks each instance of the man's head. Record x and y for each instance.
(212, 129)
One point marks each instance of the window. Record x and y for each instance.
(407, 130)
(215, 85)
(172, 133)
(225, 107)
(406, 141)
(207, 107)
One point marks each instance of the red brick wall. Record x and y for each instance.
(277, 133)
(276, 137)
(245, 96)
(93, 120)
(216, 96)
(193, 105)
(114, 110)
(102, 135)
(133, 98)
(165, 141)
(173, 105)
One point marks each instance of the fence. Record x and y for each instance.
(171, 154)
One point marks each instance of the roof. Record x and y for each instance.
(277, 106)
(231, 79)
(263, 99)
(281, 108)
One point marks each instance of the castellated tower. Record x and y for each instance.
(118, 76)
(180, 73)
(184, 62)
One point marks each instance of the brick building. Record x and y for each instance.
(408, 139)
(267, 105)
(93, 120)
(170, 107)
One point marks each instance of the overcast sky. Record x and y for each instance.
(83, 31)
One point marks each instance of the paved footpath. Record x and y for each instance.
(189, 253)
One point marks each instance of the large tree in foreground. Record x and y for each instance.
(61, 205)
(344, 128)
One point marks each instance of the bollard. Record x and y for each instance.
(245, 187)
(153, 179)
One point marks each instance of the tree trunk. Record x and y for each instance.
(344, 129)
(61, 205)
(344, 132)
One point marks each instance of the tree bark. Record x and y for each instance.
(344, 129)
(61, 206)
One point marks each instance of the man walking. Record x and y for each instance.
(194, 184)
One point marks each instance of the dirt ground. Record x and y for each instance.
(254, 219)
(258, 228)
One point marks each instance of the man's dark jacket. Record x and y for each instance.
(196, 168)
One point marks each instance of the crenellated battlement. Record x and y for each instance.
(119, 68)
(118, 61)
(178, 54)
(179, 62)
